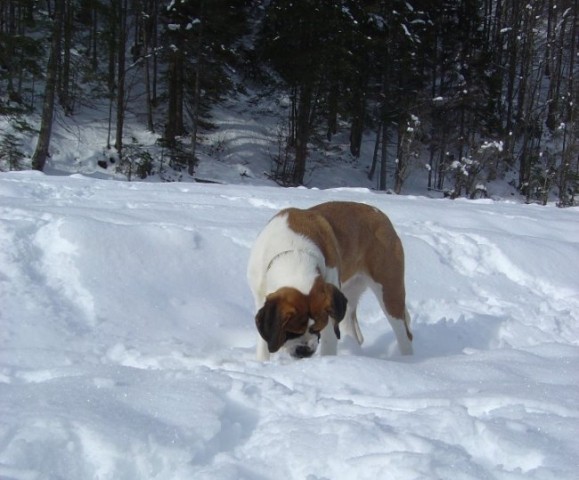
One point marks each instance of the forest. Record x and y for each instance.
(476, 90)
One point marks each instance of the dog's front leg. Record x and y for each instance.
(328, 340)
(262, 352)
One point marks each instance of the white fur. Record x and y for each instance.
(308, 339)
(282, 258)
(397, 324)
(328, 340)
(353, 289)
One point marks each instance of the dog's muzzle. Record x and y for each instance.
(302, 351)
(304, 346)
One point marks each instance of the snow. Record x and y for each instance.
(497, 145)
(127, 341)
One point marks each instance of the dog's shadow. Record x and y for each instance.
(444, 337)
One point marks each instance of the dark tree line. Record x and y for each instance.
(171, 57)
(484, 87)
(470, 89)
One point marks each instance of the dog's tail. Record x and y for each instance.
(351, 327)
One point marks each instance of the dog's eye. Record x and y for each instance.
(315, 332)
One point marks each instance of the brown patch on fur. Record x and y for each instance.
(354, 237)
(285, 311)
(311, 225)
(326, 302)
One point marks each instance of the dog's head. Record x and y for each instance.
(294, 320)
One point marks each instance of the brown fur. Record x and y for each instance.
(354, 236)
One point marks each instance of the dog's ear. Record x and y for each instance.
(269, 325)
(283, 311)
(338, 308)
(327, 301)
(339, 304)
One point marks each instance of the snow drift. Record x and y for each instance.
(127, 342)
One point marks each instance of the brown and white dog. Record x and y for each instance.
(308, 269)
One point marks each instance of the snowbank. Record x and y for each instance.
(127, 342)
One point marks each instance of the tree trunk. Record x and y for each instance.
(8, 25)
(357, 127)
(147, 51)
(358, 111)
(150, 124)
(384, 158)
(375, 155)
(569, 148)
(513, 49)
(401, 159)
(154, 46)
(94, 38)
(191, 161)
(332, 110)
(41, 153)
(171, 126)
(430, 167)
(112, 42)
(121, 74)
(303, 128)
(64, 89)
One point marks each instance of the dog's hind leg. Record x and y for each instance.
(388, 286)
(402, 332)
(353, 289)
(397, 315)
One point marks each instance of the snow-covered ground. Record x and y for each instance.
(127, 342)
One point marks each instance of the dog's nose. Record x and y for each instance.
(303, 351)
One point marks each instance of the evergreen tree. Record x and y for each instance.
(197, 39)
(11, 155)
(471, 73)
(318, 49)
(20, 54)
